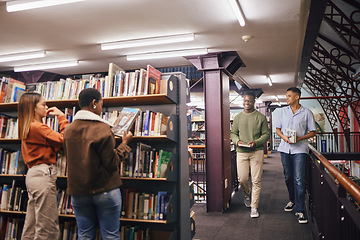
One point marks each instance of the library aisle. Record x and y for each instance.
(273, 223)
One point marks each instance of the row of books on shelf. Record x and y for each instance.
(198, 135)
(136, 205)
(195, 126)
(11, 228)
(53, 121)
(145, 162)
(68, 230)
(61, 164)
(118, 83)
(13, 198)
(8, 127)
(135, 233)
(11, 90)
(11, 162)
(148, 206)
(143, 123)
(64, 202)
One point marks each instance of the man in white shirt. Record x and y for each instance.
(293, 154)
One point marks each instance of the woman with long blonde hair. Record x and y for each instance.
(39, 144)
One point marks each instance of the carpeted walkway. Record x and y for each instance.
(273, 224)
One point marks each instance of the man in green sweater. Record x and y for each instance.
(249, 132)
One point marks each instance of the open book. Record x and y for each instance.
(125, 120)
(292, 134)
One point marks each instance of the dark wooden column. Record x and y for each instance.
(263, 108)
(217, 68)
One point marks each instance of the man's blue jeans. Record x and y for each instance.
(101, 209)
(294, 170)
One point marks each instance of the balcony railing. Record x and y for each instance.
(333, 200)
(338, 142)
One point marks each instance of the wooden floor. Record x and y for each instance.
(273, 224)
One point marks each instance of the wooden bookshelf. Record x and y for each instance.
(174, 105)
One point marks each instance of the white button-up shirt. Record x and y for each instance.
(302, 122)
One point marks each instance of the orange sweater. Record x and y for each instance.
(42, 143)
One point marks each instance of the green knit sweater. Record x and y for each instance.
(248, 127)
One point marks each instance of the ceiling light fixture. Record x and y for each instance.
(148, 41)
(235, 5)
(22, 56)
(246, 38)
(14, 6)
(269, 80)
(44, 66)
(167, 54)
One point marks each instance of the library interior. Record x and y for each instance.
(184, 77)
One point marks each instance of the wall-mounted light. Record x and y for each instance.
(167, 54)
(14, 6)
(269, 80)
(148, 41)
(235, 5)
(50, 65)
(22, 56)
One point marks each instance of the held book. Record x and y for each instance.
(244, 145)
(292, 134)
(125, 120)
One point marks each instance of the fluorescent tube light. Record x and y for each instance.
(22, 56)
(269, 80)
(167, 54)
(14, 6)
(148, 41)
(277, 98)
(235, 5)
(44, 66)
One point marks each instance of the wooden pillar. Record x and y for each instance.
(217, 67)
(263, 108)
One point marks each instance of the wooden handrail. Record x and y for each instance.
(352, 188)
(319, 133)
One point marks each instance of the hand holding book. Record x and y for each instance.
(127, 136)
(246, 145)
(125, 120)
(291, 136)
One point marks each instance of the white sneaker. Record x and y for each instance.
(289, 207)
(301, 218)
(254, 213)
(247, 201)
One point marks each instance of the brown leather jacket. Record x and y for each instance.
(92, 158)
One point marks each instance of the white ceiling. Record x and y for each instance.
(75, 31)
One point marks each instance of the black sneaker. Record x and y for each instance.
(289, 207)
(301, 218)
